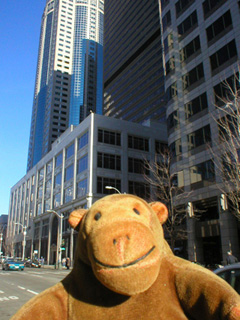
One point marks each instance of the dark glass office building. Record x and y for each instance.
(133, 65)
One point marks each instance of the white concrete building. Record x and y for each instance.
(99, 152)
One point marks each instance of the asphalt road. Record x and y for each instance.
(17, 287)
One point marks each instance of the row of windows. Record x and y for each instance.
(191, 108)
(223, 55)
(138, 188)
(192, 76)
(217, 28)
(81, 190)
(199, 137)
(209, 6)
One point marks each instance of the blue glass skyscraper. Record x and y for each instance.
(69, 72)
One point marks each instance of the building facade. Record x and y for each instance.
(69, 71)
(3, 232)
(99, 152)
(133, 67)
(201, 50)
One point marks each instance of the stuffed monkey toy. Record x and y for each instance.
(125, 270)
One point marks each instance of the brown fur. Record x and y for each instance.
(124, 269)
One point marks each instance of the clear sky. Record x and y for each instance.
(20, 22)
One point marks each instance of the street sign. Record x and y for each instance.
(63, 249)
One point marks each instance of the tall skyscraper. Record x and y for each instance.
(69, 71)
(201, 51)
(133, 67)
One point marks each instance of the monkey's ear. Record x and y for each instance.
(161, 211)
(76, 217)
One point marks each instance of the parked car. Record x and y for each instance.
(231, 274)
(32, 263)
(12, 264)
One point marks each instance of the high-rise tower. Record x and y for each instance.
(201, 52)
(69, 72)
(133, 68)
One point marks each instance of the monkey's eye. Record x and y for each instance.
(136, 211)
(97, 216)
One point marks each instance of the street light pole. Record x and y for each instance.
(24, 238)
(1, 240)
(112, 188)
(59, 237)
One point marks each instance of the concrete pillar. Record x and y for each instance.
(229, 234)
(195, 249)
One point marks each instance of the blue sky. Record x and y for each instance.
(20, 22)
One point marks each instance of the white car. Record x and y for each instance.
(230, 273)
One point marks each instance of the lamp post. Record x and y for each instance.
(112, 188)
(60, 237)
(24, 238)
(1, 240)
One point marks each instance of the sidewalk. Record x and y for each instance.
(52, 266)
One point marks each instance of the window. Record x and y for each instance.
(137, 166)
(36, 230)
(109, 137)
(83, 141)
(82, 188)
(49, 167)
(196, 105)
(57, 200)
(41, 174)
(69, 173)
(164, 3)
(202, 174)
(228, 127)
(190, 22)
(40, 192)
(68, 194)
(173, 120)
(82, 164)
(59, 159)
(140, 189)
(48, 186)
(166, 20)
(182, 5)
(39, 208)
(138, 143)
(109, 161)
(168, 42)
(224, 89)
(103, 182)
(58, 180)
(45, 225)
(160, 147)
(171, 91)
(223, 55)
(199, 137)
(47, 204)
(70, 151)
(209, 6)
(176, 148)
(170, 65)
(192, 76)
(190, 49)
(219, 26)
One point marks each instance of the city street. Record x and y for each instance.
(17, 287)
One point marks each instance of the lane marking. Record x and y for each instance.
(33, 292)
(21, 288)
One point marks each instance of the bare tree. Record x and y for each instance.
(167, 187)
(226, 152)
